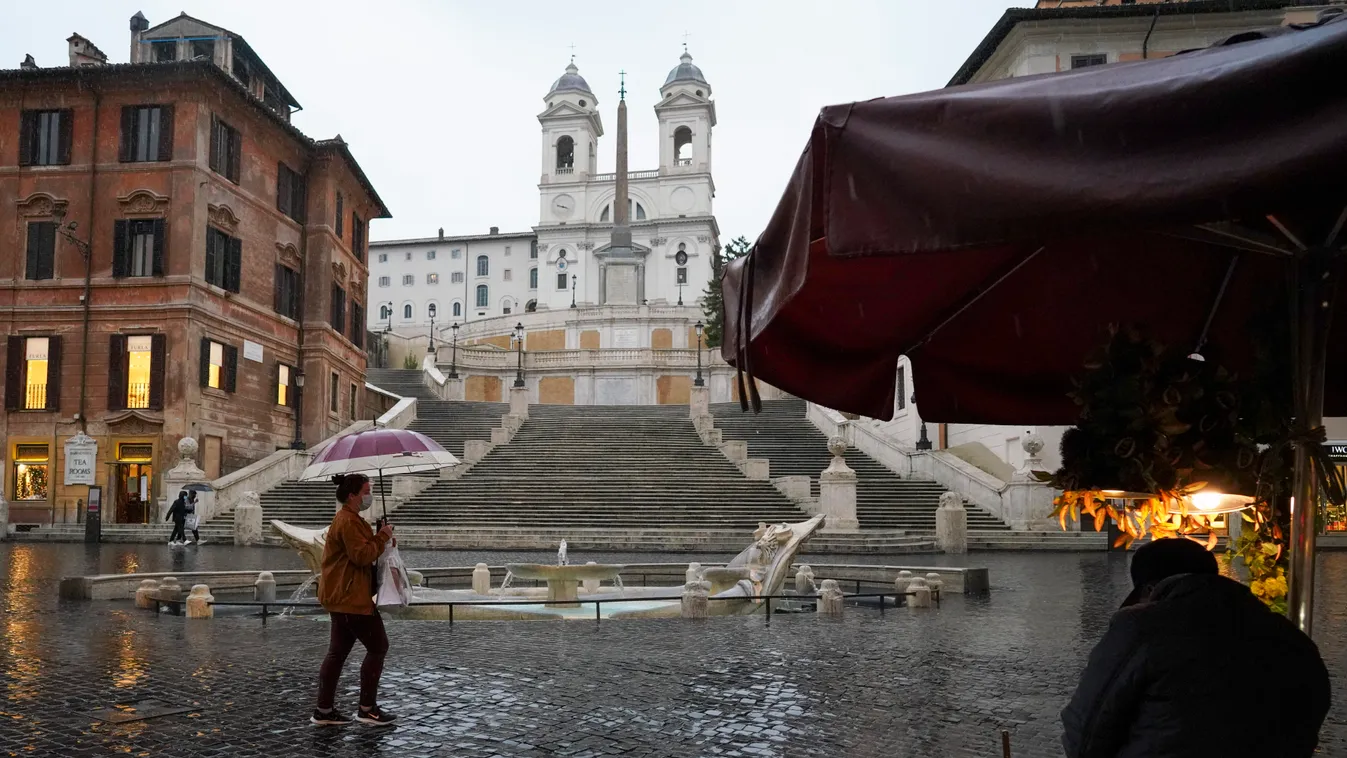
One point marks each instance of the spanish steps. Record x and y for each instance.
(602, 467)
(783, 435)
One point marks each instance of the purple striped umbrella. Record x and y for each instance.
(382, 451)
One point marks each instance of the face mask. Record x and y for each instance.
(366, 502)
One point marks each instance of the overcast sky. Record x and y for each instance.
(439, 100)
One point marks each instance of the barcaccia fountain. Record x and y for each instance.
(734, 589)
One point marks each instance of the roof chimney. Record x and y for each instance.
(441, 233)
(138, 25)
(28, 63)
(495, 230)
(85, 53)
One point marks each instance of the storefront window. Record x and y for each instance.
(31, 467)
(139, 351)
(1334, 517)
(35, 386)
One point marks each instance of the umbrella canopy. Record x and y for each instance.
(991, 232)
(379, 451)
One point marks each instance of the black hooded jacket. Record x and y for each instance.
(1202, 668)
(178, 511)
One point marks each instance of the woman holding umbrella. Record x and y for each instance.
(346, 591)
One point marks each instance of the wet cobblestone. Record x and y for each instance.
(905, 683)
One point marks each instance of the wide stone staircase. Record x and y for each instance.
(795, 447)
(400, 381)
(451, 424)
(602, 467)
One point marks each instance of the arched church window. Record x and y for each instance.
(483, 265)
(385, 312)
(483, 297)
(506, 305)
(640, 212)
(683, 146)
(531, 306)
(407, 311)
(565, 155)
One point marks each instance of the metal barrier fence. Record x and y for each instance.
(898, 601)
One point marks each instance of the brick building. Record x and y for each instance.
(175, 260)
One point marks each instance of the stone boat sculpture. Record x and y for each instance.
(733, 589)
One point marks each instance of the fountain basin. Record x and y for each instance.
(563, 582)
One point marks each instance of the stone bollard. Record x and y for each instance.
(590, 586)
(951, 525)
(735, 450)
(830, 598)
(837, 491)
(416, 578)
(199, 603)
(903, 582)
(921, 594)
(264, 589)
(481, 579)
(694, 573)
(519, 402)
(936, 584)
(169, 589)
(756, 469)
(248, 520)
(475, 450)
(147, 588)
(500, 436)
(695, 604)
(804, 581)
(699, 401)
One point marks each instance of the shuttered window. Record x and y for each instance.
(138, 247)
(45, 137)
(357, 325)
(147, 133)
(226, 149)
(136, 365)
(41, 250)
(219, 365)
(340, 214)
(338, 314)
(358, 237)
(287, 292)
(33, 374)
(224, 259)
(289, 192)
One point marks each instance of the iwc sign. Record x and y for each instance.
(81, 458)
(1337, 450)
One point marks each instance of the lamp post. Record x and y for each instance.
(574, 279)
(923, 442)
(67, 230)
(680, 293)
(453, 362)
(519, 351)
(699, 381)
(298, 443)
(431, 348)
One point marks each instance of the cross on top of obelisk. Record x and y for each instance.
(573, 52)
(686, 34)
(622, 88)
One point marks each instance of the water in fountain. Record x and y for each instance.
(561, 554)
(298, 595)
(617, 583)
(505, 583)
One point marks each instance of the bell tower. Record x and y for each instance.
(686, 115)
(570, 129)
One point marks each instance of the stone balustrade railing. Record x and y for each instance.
(562, 318)
(482, 359)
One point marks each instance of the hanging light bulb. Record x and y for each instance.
(1211, 502)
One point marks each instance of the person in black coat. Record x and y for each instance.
(178, 513)
(1194, 665)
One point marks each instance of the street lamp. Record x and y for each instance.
(574, 279)
(680, 293)
(699, 381)
(923, 442)
(453, 364)
(298, 443)
(519, 351)
(431, 347)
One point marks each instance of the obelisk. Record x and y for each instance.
(623, 271)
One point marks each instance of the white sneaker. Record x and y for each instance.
(171, 543)
(200, 542)
(187, 542)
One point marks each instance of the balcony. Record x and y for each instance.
(683, 162)
(630, 175)
(35, 397)
(562, 170)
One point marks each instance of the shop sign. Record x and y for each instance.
(81, 456)
(252, 351)
(1337, 450)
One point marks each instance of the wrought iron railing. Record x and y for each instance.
(35, 397)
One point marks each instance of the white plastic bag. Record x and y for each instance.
(395, 589)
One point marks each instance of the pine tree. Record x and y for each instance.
(713, 302)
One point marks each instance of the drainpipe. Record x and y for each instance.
(298, 443)
(89, 265)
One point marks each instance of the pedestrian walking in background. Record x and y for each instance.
(177, 513)
(193, 519)
(1160, 682)
(346, 591)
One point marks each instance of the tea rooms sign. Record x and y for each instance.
(81, 458)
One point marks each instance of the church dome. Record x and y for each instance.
(571, 80)
(686, 71)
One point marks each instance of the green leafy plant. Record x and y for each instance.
(713, 302)
(409, 361)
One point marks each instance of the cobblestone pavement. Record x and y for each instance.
(905, 683)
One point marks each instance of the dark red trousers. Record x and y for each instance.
(346, 629)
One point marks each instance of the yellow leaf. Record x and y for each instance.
(1211, 541)
(1122, 539)
(1099, 517)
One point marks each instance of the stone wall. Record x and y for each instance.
(483, 389)
(556, 390)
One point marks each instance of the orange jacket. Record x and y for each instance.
(352, 549)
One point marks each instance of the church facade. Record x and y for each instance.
(577, 254)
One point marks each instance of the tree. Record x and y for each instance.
(713, 302)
